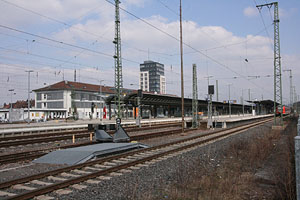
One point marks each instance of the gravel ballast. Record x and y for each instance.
(156, 178)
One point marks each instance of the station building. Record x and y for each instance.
(67, 99)
(73, 99)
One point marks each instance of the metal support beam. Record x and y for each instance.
(277, 63)
(28, 102)
(291, 85)
(217, 90)
(195, 97)
(181, 64)
(118, 58)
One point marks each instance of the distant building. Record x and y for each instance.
(63, 100)
(67, 98)
(152, 77)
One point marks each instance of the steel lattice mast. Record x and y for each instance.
(118, 58)
(195, 97)
(277, 62)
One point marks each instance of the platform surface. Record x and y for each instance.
(78, 155)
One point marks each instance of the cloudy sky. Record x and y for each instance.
(56, 37)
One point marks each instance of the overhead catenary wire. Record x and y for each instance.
(138, 62)
(175, 38)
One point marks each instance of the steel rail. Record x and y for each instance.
(79, 166)
(66, 183)
(57, 133)
(15, 157)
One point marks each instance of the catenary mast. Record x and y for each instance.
(118, 59)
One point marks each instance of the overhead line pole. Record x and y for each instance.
(11, 103)
(195, 97)
(291, 85)
(181, 64)
(217, 90)
(28, 102)
(118, 58)
(277, 63)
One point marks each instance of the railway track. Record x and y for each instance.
(27, 155)
(93, 172)
(65, 135)
(29, 135)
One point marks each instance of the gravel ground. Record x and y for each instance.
(137, 184)
(21, 169)
(57, 144)
(155, 178)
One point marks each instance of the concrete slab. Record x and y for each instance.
(53, 178)
(115, 174)
(104, 177)
(92, 168)
(64, 174)
(93, 181)
(77, 171)
(43, 197)
(78, 155)
(38, 182)
(134, 167)
(23, 187)
(63, 192)
(125, 170)
(3, 194)
(79, 186)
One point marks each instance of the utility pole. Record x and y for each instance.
(28, 103)
(291, 86)
(229, 100)
(10, 111)
(277, 62)
(181, 64)
(100, 98)
(295, 94)
(217, 90)
(118, 58)
(249, 95)
(209, 105)
(195, 97)
(243, 102)
(75, 75)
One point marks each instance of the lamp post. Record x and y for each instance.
(100, 90)
(10, 111)
(229, 99)
(28, 102)
(139, 95)
(243, 101)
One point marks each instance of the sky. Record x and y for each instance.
(53, 38)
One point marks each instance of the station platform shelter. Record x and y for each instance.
(158, 106)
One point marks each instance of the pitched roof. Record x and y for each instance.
(70, 85)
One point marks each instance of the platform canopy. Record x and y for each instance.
(163, 100)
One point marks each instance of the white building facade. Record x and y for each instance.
(72, 99)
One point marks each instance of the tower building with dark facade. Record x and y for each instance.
(152, 77)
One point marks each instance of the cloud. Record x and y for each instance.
(226, 51)
(251, 12)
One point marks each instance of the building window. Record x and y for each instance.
(45, 96)
(45, 105)
(38, 96)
